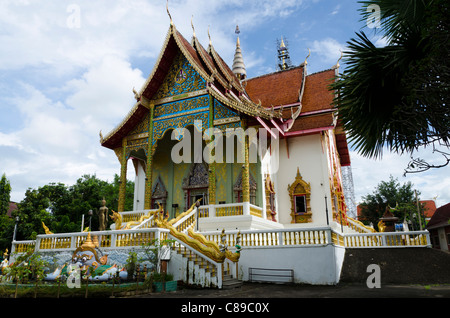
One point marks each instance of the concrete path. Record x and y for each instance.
(279, 291)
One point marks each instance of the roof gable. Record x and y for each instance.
(173, 44)
(180, 78)
(441, 217)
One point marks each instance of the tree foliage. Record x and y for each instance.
(6, 223)
(61, 207)
(5, 192)
(400, 198)
(397, 96)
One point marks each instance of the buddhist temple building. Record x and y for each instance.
(295, 177)
(241, 174)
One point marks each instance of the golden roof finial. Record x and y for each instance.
(167, 8)
(209, 36)
(309, 54)
(192, 25)
(337, 65)
(282, 45)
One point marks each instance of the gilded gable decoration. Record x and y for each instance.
(181, 78)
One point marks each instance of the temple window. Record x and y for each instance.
(300, 195)
(300, 204)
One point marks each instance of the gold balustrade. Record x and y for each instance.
(186, 223)
(134, 239)
(23, 247)
(255, 211)
(132, 217)
(232, 210)
(203, 212)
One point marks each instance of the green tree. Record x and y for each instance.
(397, 96)
(61, 207)
(6, 223)
(33, 210)
(5, 192)
(400, 198)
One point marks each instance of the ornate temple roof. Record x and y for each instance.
(222, 84)
(290, 100)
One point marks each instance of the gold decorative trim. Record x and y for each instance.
(180, 97)
(223, 121)
(300, 187)
(190, 112)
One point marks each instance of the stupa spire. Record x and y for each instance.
(238, 67)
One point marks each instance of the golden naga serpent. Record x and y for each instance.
(210, 249)
(143, 218)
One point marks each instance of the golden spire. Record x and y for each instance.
(282, 45)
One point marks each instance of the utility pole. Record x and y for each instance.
(418, 210)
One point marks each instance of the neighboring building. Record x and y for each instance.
(297, 178)
(12, 207)
(439, 228)
(429, 208)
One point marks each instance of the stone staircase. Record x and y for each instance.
(198, 271)
(228, 282)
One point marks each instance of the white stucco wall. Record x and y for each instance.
(309, 155)
(139, 187)
(318, 265)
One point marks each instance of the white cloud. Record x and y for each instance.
(329, 50)
(65, 84)
(368, 173)
(336, 9)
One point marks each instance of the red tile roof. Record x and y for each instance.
(284, 87)
(317, 95)
(276, 89)
(430, 207)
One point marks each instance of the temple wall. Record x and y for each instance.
(307, 154)
(318, 265)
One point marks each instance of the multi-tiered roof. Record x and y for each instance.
(290, 100)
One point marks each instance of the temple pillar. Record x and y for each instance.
(123, 176)
(246, 168)
(212, 165)
(149, 170)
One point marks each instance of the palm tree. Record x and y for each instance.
(397, 96)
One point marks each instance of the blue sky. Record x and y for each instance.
(67, 70)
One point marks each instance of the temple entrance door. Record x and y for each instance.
(196, 194)
(196, 185)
